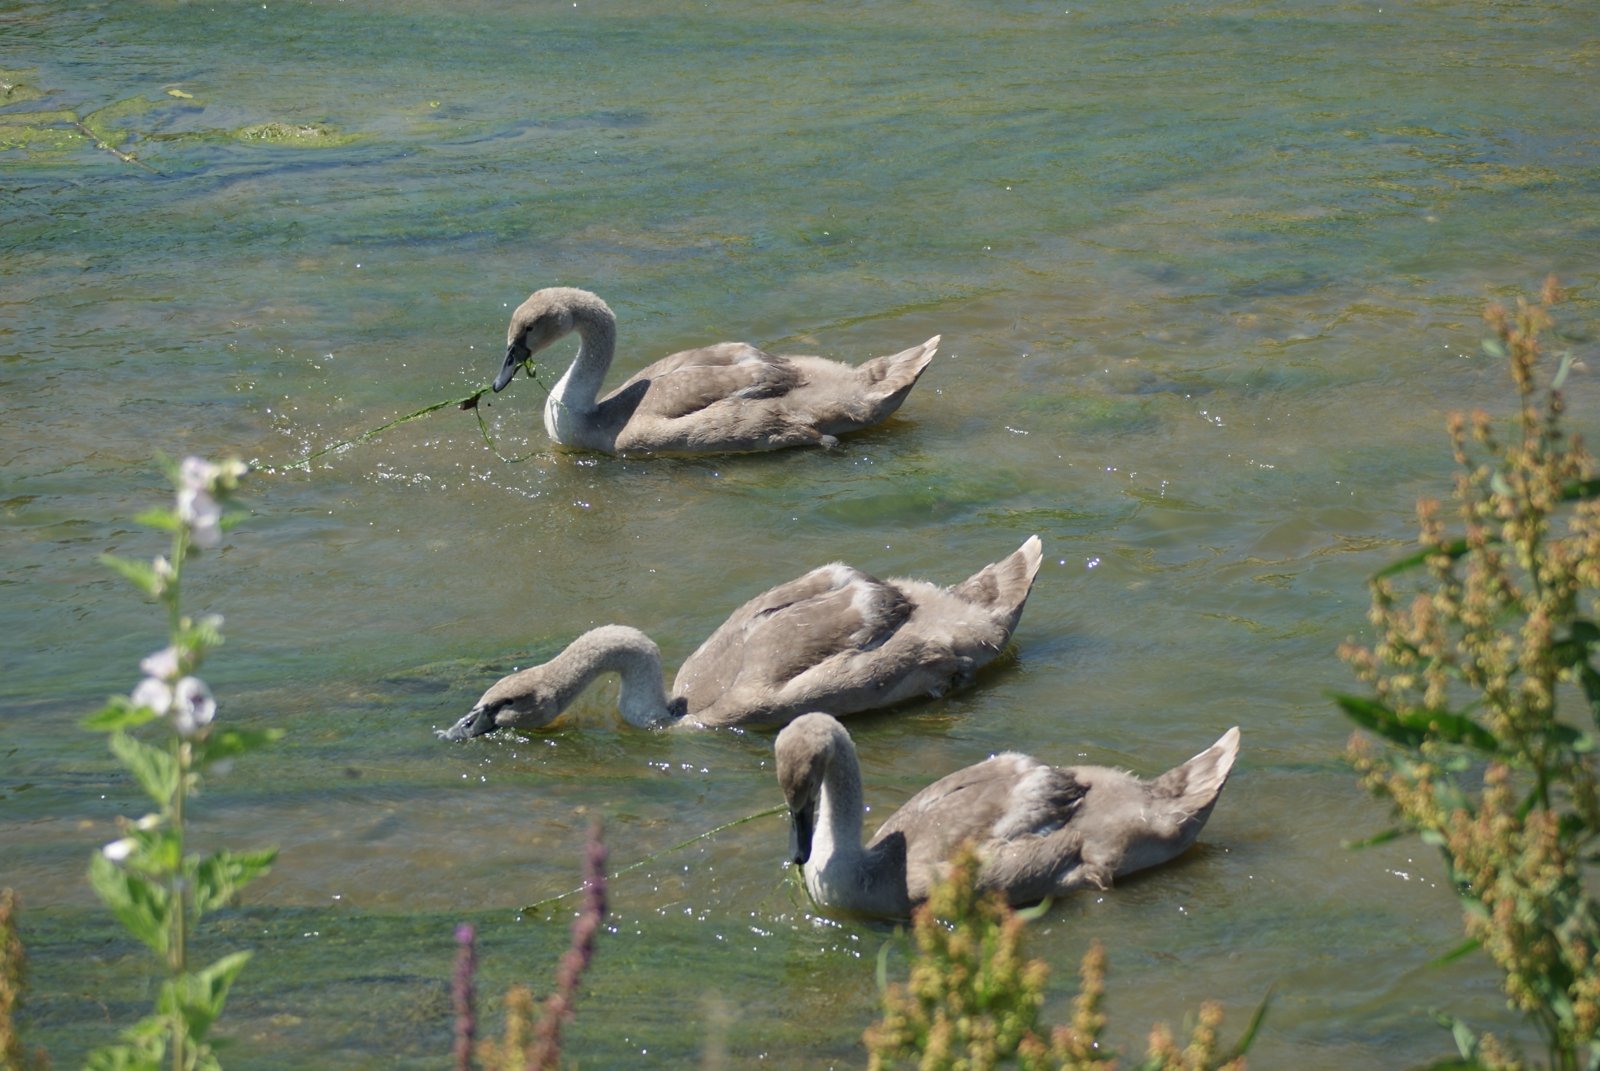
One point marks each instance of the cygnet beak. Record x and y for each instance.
(516, 353)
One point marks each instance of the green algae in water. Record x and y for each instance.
(100, 121)
(39, 132)
(61, 130)
(16, 89)
(297, 135)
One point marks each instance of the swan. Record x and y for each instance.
(1038, 829)
(835, 637)
(726, 398)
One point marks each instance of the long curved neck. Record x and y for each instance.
(621, 650)
(573, 399)
(837, 839)
(842, 872)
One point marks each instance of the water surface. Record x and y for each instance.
(1208, 276)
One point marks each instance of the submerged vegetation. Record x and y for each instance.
(1484, 638)
(57, 131)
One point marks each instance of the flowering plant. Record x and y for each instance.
(1482, 641)
(972, 1000)
(154, 887)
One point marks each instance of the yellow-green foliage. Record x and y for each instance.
(1479, 638)
(511, 1052)
(972, 999)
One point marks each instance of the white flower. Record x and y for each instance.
(203, 514)
(200, 482)
(193, 707)
(153, 693)
(163, 664)
(197, 474)
(119, 850)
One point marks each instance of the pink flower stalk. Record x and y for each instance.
(580, 952)
(466, 1016)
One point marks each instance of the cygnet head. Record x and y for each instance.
(804, 749)
(521, 700)
(539, 321)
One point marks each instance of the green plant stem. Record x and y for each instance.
(305, 461)
(170, 594)
(179, 893)
(178, 952)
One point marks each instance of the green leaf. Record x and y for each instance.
(142, 906)
(1373, 715)
(1466, 947)
(1466, 1041)
(1574, 740)
(231, 743)
(1494, 348)
(1563, 369)
(164, 519)
(1411, 728)
(881, 972)
(163, 850)
(1037, 911)
(118, 713)
(141, 575)
(155, 769)
(199, 636)
(1454, 550)
(1373, 841)
(1248, 1038)
(1572, 652)
(217, 878)
(144, 1049)
(1456, 729)
(199, 996)
(1573, 648)
(1589, 677)
(1581, 489)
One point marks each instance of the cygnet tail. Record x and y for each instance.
(887, 380)
(1003, 587)
(1191, 790)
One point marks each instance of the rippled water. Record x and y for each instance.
(1208, 278)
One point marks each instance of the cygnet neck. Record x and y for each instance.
(631, 655)
(576, 392)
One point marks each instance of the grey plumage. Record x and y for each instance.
(836, 638)
(725, 398)
(1039, 829)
